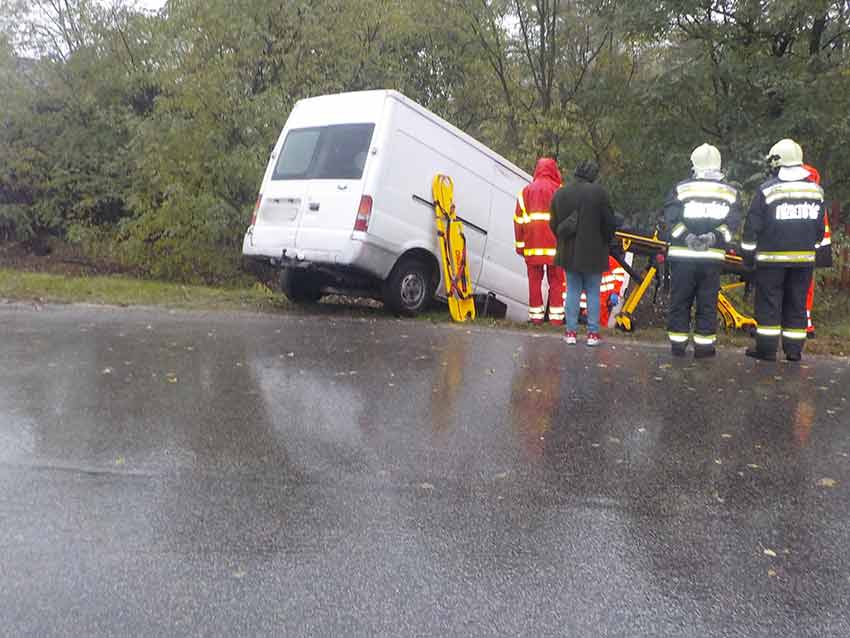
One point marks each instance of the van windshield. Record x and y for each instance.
(324, 152)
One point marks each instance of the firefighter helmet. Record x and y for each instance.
(785, 153)
(706, 158)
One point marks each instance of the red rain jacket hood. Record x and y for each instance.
(547, 169)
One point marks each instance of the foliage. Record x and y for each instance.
(145, 135)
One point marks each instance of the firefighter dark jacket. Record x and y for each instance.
(698, 207)
(534, 240)
(785, 224)
(583, 221)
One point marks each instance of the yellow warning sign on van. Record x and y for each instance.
(453, 249)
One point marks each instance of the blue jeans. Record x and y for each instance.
(588, 282)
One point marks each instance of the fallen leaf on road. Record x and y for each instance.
(718, 461)
(425, 486)
(827, 482)
(771, 573)
(502, 475)
(120, 460)
(770, 552)
(753, 466)
(725, 436)
(613, 439)
(641, 430)
(107, 371)
(239, 574)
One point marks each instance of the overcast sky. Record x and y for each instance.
(151, 4)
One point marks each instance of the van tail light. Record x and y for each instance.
(364, 212)
(256, 209)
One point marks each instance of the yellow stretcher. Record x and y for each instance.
(653, 247)
(453, 249)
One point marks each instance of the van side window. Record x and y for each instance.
(326, 152)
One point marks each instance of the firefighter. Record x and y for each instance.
(536, 243)
(609, 291)
(783, 229)
(701, 214)
(823, 257)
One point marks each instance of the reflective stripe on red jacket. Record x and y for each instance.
(534, 239)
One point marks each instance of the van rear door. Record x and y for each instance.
(311, 198)
(335, 187)
(285, 194)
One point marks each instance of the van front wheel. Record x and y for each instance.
(409, 288)
(300, 286)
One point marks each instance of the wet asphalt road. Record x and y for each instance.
(198, 475)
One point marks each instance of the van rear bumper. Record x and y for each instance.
(360, 252)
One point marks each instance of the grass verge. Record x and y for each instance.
(127, 291)
(832, 313)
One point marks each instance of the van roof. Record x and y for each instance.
(391, 94)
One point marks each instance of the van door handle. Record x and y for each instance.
(314, 206)
(342, 187)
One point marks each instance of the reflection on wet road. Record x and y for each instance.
(188, 474)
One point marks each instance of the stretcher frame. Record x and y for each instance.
(653, 247)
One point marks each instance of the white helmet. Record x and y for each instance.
(785, 153)
(705, 158)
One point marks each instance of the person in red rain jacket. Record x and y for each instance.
(536, 243)
(823, 258)
(609, 291)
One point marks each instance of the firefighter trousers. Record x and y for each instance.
(693, 281)
(536, 305)
(781, 308)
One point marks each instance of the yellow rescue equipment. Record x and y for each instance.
(453, 248)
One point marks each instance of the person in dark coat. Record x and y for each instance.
(583, 221)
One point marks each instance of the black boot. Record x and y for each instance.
(679, 349)
(755, 353)
(794, 355)
(704, 352)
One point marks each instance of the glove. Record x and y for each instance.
(709, 239)
(613, 299)
(693, 242)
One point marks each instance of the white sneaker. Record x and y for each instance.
(593, 339)
(571, 338)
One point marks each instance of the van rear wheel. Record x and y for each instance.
(409, 288)
(300, 286)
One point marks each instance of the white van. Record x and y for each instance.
(343, 206)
